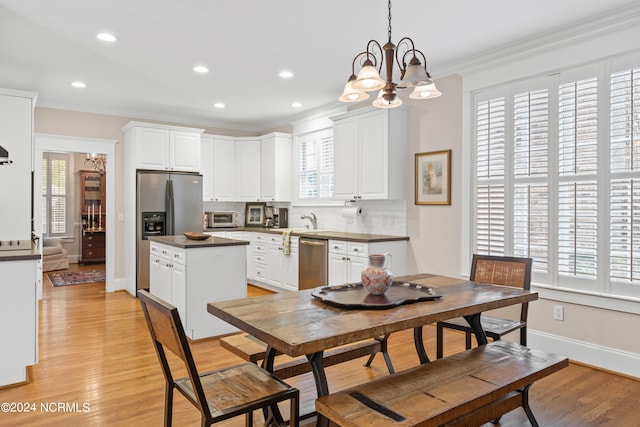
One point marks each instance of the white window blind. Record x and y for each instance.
(530, 165)
(578, 161)
(625, 172)
(315, 166)
(557, 175)
(55, 177)
(490, 162)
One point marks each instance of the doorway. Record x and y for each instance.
(66, 144)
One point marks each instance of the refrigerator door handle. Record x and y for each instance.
(169, 207)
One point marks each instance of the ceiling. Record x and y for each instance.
(147, 74)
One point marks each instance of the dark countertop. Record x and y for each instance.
(321, 234)
(184, 243)
(21, 254)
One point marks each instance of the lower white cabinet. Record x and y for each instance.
(270, 265)
(18, 320)
(348, 259)
(190, 278)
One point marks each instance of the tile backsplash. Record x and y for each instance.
(378, 217)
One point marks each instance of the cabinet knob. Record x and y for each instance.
(355, 249)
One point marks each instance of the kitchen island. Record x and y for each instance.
(18, 312)
(189, 273)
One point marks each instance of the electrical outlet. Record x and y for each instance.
(558, 312)
(120, 216)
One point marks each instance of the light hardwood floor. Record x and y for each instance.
(95, 351)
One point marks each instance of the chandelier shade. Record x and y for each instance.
(350, 94)
(412, 75)
(368, 78)
(381, 102)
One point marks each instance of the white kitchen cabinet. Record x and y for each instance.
(348, 259)
(370, 154)
(189, 278)
(248, 165)
(163, 147)
(18, 320)
(16, 136)
(224, 170)
(271, 267)
(276, 167)
(207, 168)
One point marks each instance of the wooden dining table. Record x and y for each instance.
(297, 323)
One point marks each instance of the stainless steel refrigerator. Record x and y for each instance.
(168, 203)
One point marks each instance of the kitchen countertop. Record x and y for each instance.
(182, 242)
(320, 234)
(20, 254)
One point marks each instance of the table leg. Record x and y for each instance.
(474, 321)
(322, 388)
(419, 343)
(273, 412)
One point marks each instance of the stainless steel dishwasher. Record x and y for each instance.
(312, 263)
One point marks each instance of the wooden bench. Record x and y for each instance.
(468, 388)
(253, 350)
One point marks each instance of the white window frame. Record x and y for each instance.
(315, 135)
(602, 285)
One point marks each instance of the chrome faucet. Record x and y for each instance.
(311, 217)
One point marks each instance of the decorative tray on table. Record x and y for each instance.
(196, 236)
(354, 295)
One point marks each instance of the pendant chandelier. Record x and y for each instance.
(412, 75)
(97, 162)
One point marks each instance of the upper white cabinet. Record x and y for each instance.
(276, 167)
(16, 136)
(247, 169)
(224, 170)
(370, 154)
(161, 147)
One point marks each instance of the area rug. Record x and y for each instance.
(76, 277)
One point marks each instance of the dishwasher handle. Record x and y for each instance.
(312, 242)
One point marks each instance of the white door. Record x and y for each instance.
(184, 151)
(152, 148)
(248, 170)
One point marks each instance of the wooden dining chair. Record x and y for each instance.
(220, 394)
(497, 270)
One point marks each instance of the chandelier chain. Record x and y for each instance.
(389, 7)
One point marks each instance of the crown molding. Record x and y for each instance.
(617, 20)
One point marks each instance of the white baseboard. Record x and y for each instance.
(585, 352)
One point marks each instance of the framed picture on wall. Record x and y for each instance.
(433, 178)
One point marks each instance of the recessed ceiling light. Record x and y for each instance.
(286, 74)
(296, 105)
(200, 69)
(219, 105)
(79, 84)
(107, 37)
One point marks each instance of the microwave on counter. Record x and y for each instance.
(220, 219)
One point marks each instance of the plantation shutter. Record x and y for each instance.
(531, 158)
(315, 166)
(490, 174)
(308, 177)
(325, 175)
(625, 173)
(577, 192)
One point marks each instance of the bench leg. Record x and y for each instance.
(385, 353)
(419, 343)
